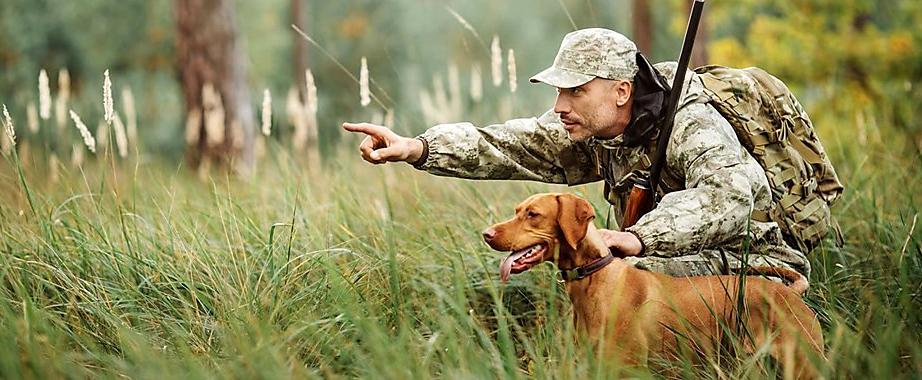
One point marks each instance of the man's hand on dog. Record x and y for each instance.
(383, 145)
(622, 243)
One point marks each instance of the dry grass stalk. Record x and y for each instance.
(496, 55)
(214, 115)
(364, 91)
(121, 138)
(464, 22)
(476, 83)
(267, 113)
(510, 65)
(76, 155)
(107, 102)
(32, 118)
(60, 103)
(9, 142)
(193, 126)
(84, 132)
(131, 115)
(44, 95)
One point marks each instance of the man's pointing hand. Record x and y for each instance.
(383, 145)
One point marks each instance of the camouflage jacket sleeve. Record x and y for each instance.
(536, 149)
(722, 182)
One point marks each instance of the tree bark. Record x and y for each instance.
(298, 47)
(699, 55)
(209, 53)
(643, 27)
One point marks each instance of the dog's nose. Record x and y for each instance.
(489, 234)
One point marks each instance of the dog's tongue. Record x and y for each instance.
(506, 267)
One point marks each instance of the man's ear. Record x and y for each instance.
(573, 217)
(623, 91)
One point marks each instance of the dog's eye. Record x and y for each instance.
(532, 214)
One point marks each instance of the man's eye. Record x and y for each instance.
(577, 90)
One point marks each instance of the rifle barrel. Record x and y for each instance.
(673, 103)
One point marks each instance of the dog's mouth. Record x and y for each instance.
(522, 260)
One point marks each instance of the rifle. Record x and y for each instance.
(643, 195)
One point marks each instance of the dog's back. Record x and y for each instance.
(699, 312)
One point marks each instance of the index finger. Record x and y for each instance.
(366, 128)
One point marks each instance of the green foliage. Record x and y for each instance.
(864, 53)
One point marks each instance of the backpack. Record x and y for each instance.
(775, 129)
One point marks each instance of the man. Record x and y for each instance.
(711, 184)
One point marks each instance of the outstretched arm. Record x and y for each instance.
(535, 149)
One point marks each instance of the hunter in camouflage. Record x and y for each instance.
(710, 187)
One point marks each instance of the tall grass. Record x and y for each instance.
(145, 271)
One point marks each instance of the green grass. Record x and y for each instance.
(143, 270)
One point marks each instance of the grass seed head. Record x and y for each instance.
(510, 65)
(107, 102)
(131, 115)
(44, 95)
(102, 134)
(60, 102)
(364, 91)
(476, 83)
(267, 113)
(10, 141)
(121, 138)
(310, 97)
(88, 139)
(496, 55)
(32, 118)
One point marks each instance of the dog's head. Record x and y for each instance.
(543, 224)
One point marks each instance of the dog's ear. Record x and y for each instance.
(573, 217)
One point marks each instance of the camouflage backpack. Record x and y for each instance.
(773, 126)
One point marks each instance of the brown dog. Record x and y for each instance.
(634, 314)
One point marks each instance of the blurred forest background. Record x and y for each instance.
(316, 264)
(850, 56)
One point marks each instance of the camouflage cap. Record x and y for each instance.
(589, 53)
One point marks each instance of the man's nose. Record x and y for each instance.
(489, 234)
(561, 105)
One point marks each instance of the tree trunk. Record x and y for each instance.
(699, 55)
(212, 72)
(643, 27)
(298, 47)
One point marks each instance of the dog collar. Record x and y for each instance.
(584, 271)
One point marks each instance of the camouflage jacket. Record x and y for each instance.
(710, 183)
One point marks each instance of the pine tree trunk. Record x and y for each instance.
(699, 55)
(298, 47)
(643, 27)
(210, 54)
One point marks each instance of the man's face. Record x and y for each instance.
(599, 108)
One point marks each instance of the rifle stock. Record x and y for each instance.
(639, 203)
